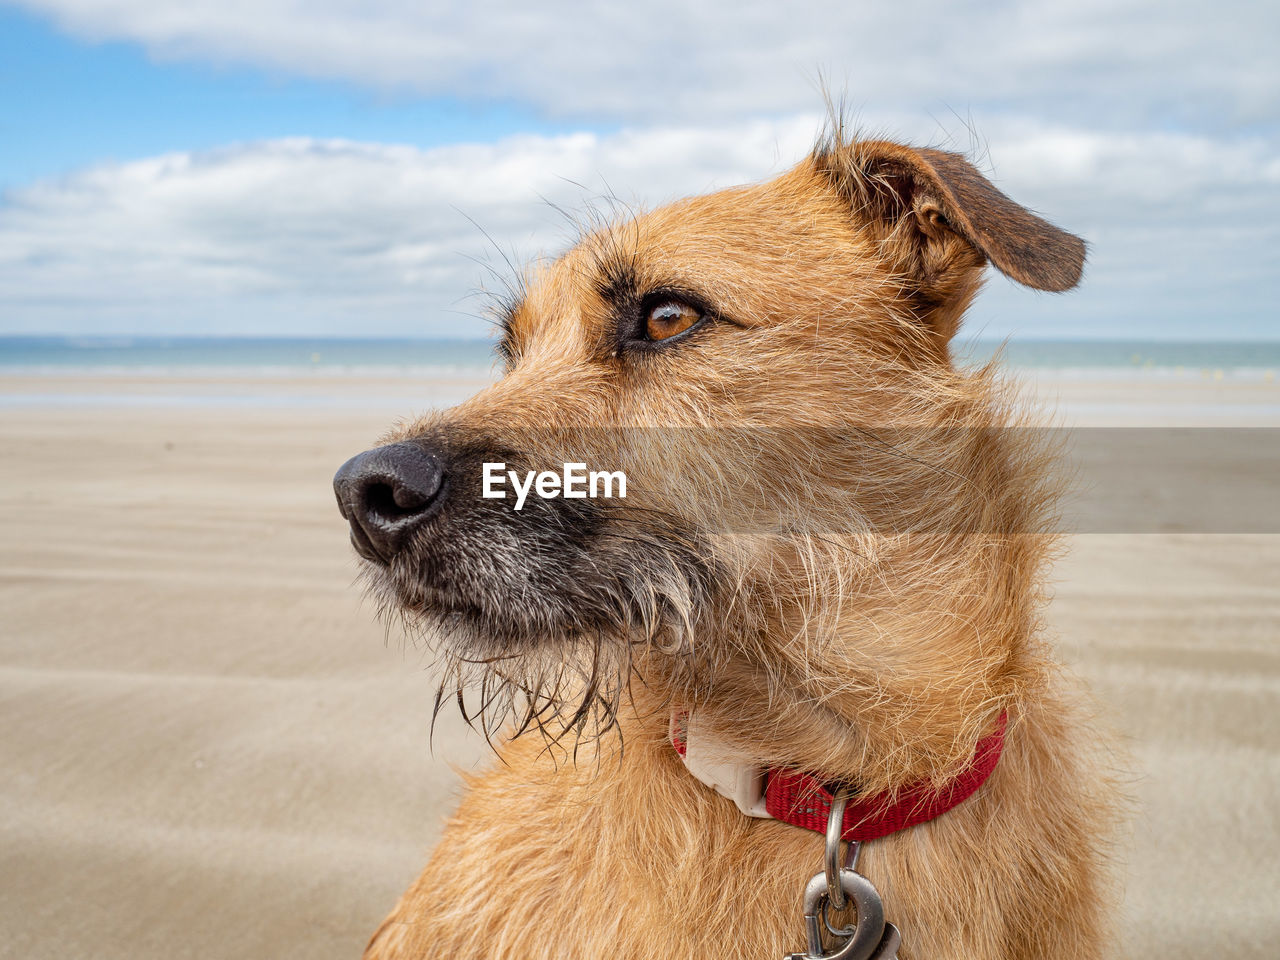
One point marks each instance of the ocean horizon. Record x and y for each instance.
(144, 356)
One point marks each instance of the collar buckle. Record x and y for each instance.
(726, 771)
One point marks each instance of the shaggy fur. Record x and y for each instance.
(833, 549)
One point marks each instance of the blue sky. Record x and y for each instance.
(66, 104)
(286, 168)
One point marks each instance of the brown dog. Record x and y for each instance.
(830, 556)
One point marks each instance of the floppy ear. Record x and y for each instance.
(940, 221)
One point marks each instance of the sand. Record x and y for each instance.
(211, 749)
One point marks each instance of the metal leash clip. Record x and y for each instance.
(870, 937)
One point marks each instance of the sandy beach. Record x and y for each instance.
(212, 750)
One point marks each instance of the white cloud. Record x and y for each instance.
(1148, 126)
(300, 235)
(1105, 62)
(307, 236)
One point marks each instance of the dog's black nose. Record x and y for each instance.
(385, 494)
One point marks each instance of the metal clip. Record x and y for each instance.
(835, 834)
(870, 937)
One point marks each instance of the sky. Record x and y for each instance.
(344, 168)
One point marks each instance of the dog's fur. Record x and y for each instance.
(833, 549)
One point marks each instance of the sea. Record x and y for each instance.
(395, 375)
(267, 357)
(270, 357)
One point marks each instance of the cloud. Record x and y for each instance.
(300, 235)
(1148, 126)
(309, 236)
(1106, 63)
(1182, 228)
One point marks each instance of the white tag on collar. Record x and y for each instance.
(726, 771)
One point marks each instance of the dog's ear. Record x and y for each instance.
(940, 221)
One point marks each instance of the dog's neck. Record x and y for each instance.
(743, 710)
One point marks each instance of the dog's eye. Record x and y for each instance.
(668, 318)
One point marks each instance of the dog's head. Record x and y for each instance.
(816, 500)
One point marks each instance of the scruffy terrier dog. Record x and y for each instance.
(825, 577)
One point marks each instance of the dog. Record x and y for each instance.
(826, 577)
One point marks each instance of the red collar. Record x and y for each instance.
(802, 799)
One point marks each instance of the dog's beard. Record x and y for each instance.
(555, 663)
